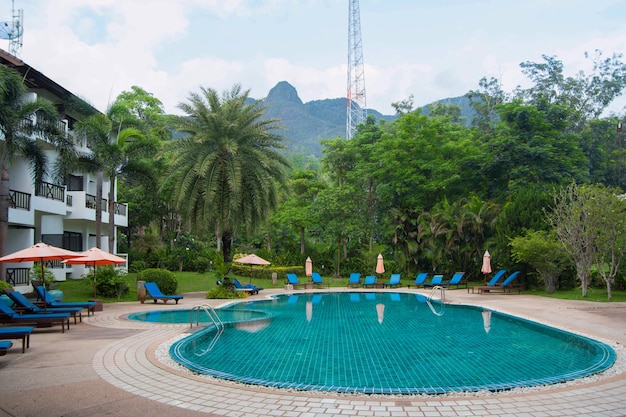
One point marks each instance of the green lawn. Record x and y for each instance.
(80, 290)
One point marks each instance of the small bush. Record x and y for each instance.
(110, 282)
(3, 285)
(164, 279)
(35, 274)
(137, 266)
(224, 292)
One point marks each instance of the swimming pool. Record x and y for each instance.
(386, 343)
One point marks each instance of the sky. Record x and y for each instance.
(427, 49)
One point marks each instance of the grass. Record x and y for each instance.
(80, 290)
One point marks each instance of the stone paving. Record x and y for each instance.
(128, 363)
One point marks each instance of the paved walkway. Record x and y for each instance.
(107, 366)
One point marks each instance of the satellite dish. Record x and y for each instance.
(13, 30)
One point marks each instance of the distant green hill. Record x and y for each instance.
(307, 123)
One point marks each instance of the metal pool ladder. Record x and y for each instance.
(211, 314)
(442, 298)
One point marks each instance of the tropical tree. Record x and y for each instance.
(227, 168)
(111, 152)
(20, 121)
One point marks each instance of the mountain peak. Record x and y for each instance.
(283, 91)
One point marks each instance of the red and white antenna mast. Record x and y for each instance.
(356, 105)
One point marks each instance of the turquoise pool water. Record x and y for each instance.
(387, 343)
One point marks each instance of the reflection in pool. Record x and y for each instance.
(386, 342)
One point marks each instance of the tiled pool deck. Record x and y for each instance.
(107, 365)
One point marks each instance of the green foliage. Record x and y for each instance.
(110, 282)
(224, 292)
(35, 274)
(164, 279)
(4, 285)
(137, 266)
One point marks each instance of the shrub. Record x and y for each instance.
(35, 274)
(164, 279)
(110, 282)
(3, 285)
(137, 266)
(224, 292)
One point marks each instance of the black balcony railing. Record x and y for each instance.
(120, 209)
(90, 202)
(51, 191)
(18, 199)
(18, 276)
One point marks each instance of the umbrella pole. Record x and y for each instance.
(43, 286)
(94, 281)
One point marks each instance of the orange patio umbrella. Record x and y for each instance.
(94, 257)
(308, 267)
(39, 253)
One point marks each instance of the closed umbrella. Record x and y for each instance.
(486, 268)
(39, 253)
(94, 257)
(252, 259)
(380, 266)
(308, 267)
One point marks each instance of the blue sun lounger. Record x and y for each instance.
(370, 281)
(292, 279)
(492, 282)
(90, 306)
(420, 279)
(317, 280)
(506, 286)
(249, 288)
(17, 333)
(436, 280)
(355, 280)
(394, 281)
(27, 306)
(153, 291)
(8, 315)
(455, 280)
(5, 345)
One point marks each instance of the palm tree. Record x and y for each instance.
(227, 169)
(111, 153)
(20, 121)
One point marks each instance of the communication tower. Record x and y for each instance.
(13, 30)
(355, 100)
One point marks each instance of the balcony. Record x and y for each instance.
(51, 191)
(19, 200)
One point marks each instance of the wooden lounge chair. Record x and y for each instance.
(394, 281)
(420, 279)
(8, 315)
(44, 296)
(493, 281)
(370, 281)
(292, 279)
(436, 280)
(249, 288)
(355, 280)
(5, 345)
(317, 281)
(153, 291)
(24, 305)
(506, 286)
(17, 333)
(456, 280)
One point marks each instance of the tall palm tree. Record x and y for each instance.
(111, 152)
(227, 169)
(20, 121)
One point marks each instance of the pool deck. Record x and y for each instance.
(107, 366)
